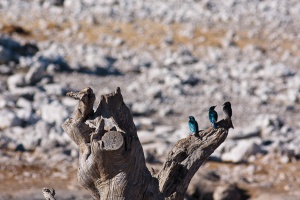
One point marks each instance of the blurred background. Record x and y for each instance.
(172, 59)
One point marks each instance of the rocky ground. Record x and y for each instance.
(171, 59)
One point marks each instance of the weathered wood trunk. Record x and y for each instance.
(49, 193)
(111, 161)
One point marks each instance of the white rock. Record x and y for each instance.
(163, 112)
(243, 133)
(164, 130)
(5, 70)
(26, 92)
(158, 148)
(8, 118)
(25, 115)
(35, 74)
(146, 137)
(141, 108)
(154, 91)
(265, 121)
(242, 150)
(54, 89)
(16, 80)
(24, 103)
(7, 101)
(54, 113)
(172, 80)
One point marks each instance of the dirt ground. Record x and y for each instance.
(25, 181)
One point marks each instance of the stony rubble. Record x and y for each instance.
(253, 62)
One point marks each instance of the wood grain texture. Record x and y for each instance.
(49, 193)
(111, 161)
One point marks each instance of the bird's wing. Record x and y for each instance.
(212, 117)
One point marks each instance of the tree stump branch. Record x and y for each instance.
(186, 157)
(111, 160)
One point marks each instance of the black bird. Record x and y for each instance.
(213, 116)
(228, 112)
(193, 125)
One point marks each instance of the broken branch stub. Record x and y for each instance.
(111, 160)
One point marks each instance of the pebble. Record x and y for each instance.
(8, 118)
(244, 133)
(242, 150)
(54, 113)
(141, 109)
(16, 80)
(55, 89)
(35, 74)
(5, 70)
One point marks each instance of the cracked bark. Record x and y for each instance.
(49, 193)
(111, 160)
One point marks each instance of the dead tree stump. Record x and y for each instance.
(111, 160)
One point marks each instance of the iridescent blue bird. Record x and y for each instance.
(213, 116)
(193, 125)
(228, 112)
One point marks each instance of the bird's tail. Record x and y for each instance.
(230, 123)
(215, 125)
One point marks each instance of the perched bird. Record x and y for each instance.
(193, 125)
(228, 112)
(213, 116)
